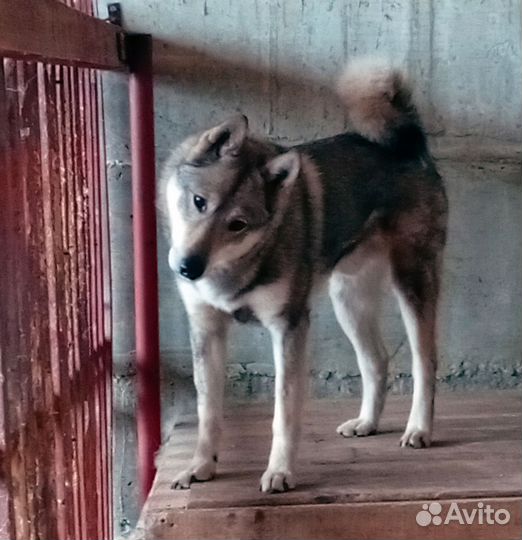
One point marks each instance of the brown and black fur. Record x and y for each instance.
(354, 209)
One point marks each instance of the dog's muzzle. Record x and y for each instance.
(192, 267)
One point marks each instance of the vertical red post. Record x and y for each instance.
(139, 56)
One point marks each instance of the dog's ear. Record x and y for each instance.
(223, 141)
(283, 169)
(279, 174)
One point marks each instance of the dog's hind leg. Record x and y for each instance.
(208, 328)
(416, 285)
(355, 292)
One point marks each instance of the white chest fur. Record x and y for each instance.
(266, 302)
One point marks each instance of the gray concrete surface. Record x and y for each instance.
(274, 61)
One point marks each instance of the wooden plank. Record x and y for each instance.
(476, 452)
(50, 31)
(6, 443)
(394, 521)
(476, 455)
(51, 109)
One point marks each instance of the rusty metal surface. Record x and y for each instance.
(55, 348)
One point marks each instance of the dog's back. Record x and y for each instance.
(367, 186)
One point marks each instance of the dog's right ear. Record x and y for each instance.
(223, 141)
(280, 174)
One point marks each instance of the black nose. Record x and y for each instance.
(192, 267)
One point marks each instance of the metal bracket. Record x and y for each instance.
(115, 17)
(114, 14)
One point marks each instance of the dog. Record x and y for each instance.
(255, 228)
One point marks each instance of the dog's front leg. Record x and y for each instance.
(289, 343)
(208, 328)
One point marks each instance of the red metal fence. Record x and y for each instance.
(55, 348)
(55, 343)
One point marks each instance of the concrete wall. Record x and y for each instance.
(274, 61)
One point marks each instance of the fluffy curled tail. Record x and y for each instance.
(380, 108)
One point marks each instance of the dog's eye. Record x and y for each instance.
(237, 225)
(200, 203)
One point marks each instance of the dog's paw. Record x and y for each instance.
(357, 427)
(200, 471)
(275, 481)
(416, 438)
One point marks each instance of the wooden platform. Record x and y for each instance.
(350, 488)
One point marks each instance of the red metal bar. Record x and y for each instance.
(139, 54)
